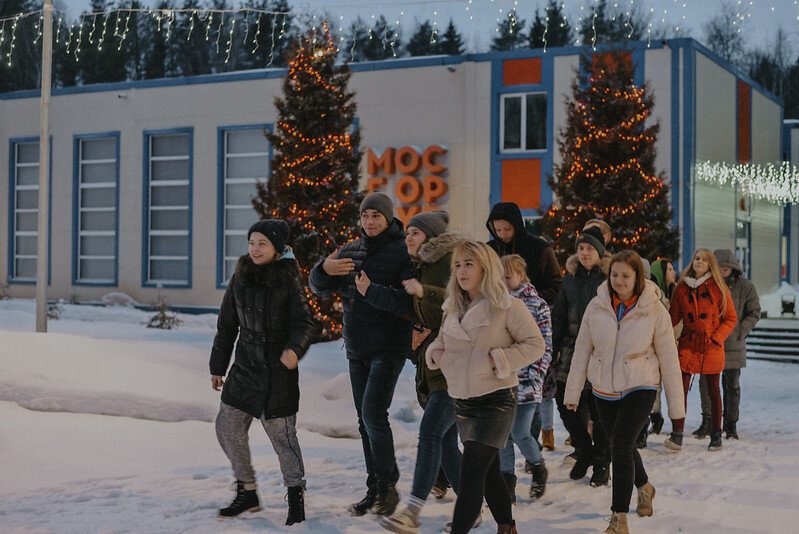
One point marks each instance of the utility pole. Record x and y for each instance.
(43, 226)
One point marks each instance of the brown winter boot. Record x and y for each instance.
(507, 529)
(646, 494)
(618, 524)
(548, 439)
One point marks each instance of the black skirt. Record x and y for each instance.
(487, 419)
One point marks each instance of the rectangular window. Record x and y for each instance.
(96, 199)
(244, 154)
(24, 210)
(167, 245)
(523, 122)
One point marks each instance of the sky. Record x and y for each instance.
(477, 24)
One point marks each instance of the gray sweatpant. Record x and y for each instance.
(232, 431)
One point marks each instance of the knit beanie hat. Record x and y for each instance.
(432, 223)
(647, 268)
(276, 230)
(593, 236)
(380, 202)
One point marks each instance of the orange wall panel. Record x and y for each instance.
(521, 182)
(521, 71)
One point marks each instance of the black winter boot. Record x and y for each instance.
(439, 490)
(364, 505)
(246, 501)
(539, 485)
(528, 467)
(600, 476)
(657, 422)
(580, 467)
(296, 499)
(386, 499)
(704, 429)
(715, 440)
(731, 430)
(510, 481)
(674, 441)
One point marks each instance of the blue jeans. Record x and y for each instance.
(373, 383)
(521, 436)
(543, 420)
(438, 445)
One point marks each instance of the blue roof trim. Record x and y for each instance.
(389, 64)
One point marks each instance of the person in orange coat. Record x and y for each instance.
(703, 303)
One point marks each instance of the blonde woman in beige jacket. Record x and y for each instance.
(625, 346)
(486, 336)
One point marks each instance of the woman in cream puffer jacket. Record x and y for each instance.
(625, 346)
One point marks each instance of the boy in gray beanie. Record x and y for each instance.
(380, 202)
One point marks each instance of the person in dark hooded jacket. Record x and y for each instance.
(509, 236)
(585, 272)
(377, 341)
(747, 307)
(266, 309)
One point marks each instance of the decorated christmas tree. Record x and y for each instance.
(315, 174)
(608, 165)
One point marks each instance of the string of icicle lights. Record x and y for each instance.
(777, 183)
(217, 25)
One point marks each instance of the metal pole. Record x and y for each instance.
(44, 171)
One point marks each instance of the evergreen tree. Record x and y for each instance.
(155, 53)
(613, 24)
(451, 42)
(315, 168)
(100, 60)
(510, 34)
(189, 49)
(24, 70)
(269, 35)
(421, 42)
(383, 42)
(65, 67)
(552, 26)
(608, 165)
(134, 45)
(355, 41)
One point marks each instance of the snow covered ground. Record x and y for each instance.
(107, 427)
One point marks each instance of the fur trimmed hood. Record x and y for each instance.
(574, 262)
(280, 271)
(439, 246)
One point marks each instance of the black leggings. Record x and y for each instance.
(623, 420)
(481, 476)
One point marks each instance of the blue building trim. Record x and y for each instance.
(689, 151)
(675, 138)
(220, 191)
(77, 138)
(145, 256)
(787, 219)
(12, 143)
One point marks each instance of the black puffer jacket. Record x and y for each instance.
(578, 288)
(266, 308)
(370, 330)
(543, 269)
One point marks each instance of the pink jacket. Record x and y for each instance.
(461, 350)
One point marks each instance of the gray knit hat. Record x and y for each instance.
(593, 236)
(380, 202)
(432, 223)
(275, 230)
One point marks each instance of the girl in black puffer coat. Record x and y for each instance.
(266, 309)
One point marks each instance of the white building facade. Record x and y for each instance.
(151, 181)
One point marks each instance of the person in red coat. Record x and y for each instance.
(703, 303)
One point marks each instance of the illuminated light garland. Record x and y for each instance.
(771, 182)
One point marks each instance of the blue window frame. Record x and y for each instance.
(243, 159)
(95, 209)
(23, 209)
(167, 208)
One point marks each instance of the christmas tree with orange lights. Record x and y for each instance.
(608, 166)
(315, 168)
